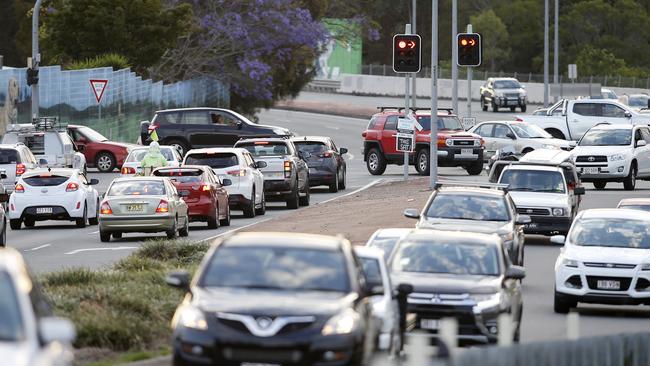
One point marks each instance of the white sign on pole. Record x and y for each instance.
(468, 122)
(408, 123)
(99, 87)
(573, 71)
(405, 142)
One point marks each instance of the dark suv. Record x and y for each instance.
(190, 128)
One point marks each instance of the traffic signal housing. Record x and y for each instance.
(32, 76)
(407, 53)
(469, 49)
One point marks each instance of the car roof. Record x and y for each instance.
(419, 112)
(634, 201)
(17, 145)
(147, 147)
(310, 138)
(547, 168)
(191, 109)
(550, 156)
(138, 178)
(451, 237)
(616, 126)
(290, 240)
(215, 150)
(472, 190)
(186, 167)
(369, 252)
(614, 213)
(495, 79)
(391, 233)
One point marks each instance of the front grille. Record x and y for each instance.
(512, 96)
(592, 281)
(609, 265)
(642, 284)
(234, 324)
(463, 314)
(294, 327)
(262, 355)
(463, 142)
(595, 165)
(534, 211)
(588, 159)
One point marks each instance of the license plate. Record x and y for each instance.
(608, 285)
(429, 324)
(532, 225)
(590, 170)
(43, 210)
(136, 207)
(467, 151)
(274, 175)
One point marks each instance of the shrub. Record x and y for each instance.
(114, 60)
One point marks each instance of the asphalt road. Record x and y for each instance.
(51, 246)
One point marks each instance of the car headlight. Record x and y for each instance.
(191, 317)
(477, 142)
(343, 323)
(645, 267)
(617, 157)
(507, 237)
(487, 302)
(449, 142)
(570, 263)
(558, 212)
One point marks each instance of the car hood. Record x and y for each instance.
(536, 199)
(448, 284)
(607, 254)
(16, 354)
(599, 150)
(271, 302)
(485, 227)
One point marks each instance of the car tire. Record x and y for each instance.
(334, 186)
(304, 200)
(3, 236)
(105, 162)
(375, 162)
(15, 224)
(83, 221)
(342, 181)
(562, 304)
(495, 108)
(484, 106)
(422, 161)
(180, 146)
(185, 231)
(512, 109)
(30, 223)
(213, 222)
(294, 200)
(226, 221)
(104, 236)
(95, 220)
(600, 184)
(523, 108)
(260, 210)
(249, 210)
(630, 181)
(117, 235)
(173, 232)
(475, 168)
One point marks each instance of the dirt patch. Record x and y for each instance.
(356, 216)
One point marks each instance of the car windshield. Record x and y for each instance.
(451, 123)
(11, 320)
(137, 188)
(386, 244)
(635, 207)
(611, 232)
(8, 156)
(181, 175)
(507, 84)
(429, 256)
(136, 156)
(312, 147)
(533, 180)
(92, 135)
(265, 148)
(279, 268)
(46, 180)
(526, 131)
(213, 160)
(372, 271)
(468, 207)
(619, 137)
(638, 101)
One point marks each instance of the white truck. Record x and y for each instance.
(570, 119)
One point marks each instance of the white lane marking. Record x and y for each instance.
(353, 192)
(332, 127)
(235, 229)
(37, 248)
(98, 249)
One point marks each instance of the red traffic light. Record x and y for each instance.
(401, 44)
(406, 53)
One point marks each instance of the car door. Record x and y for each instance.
(227, 129)
(642, 153)
(486, 132)
(583, 116)
(503, 138)
(389, 136)
(258, 177)
(614, 114)
(197, 127)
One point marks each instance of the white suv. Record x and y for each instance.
(247, 190)
(15, 160)
(614, 153)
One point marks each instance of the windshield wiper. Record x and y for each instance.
(263, 287)
(324, 289)
(521, 189)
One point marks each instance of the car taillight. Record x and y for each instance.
(237, 173)
(163, 207)
(20, 169)
(287, 169)
(128, 170)
(105, 209)
(206, 187)
(519, 119)
(72, 187)
(327, 154)
(19, 188)
(152, 127)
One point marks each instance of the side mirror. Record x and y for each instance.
(240, 125)
(511, 136)
(226, 182)
(579, 191)
(404, 289)
(573, 144)
(54, 329)
(412, 213)
(641, 143)
(523, 219)
(558, 239)
(179, 279)
(94, 182)
(260, 164)
(343, 150)
(628, 114)
(42, 162)
(515, 273)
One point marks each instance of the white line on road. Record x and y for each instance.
(236, 229)
(353, 192)
(37, 248)
(98, 249)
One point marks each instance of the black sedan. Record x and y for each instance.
(326, 164)
(274, 298)
(461, 275)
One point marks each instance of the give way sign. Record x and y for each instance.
(99, 86)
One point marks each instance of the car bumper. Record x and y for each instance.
(65, 207)
(510, 102)
(453, 156)
(321, 176)
(612, 171)
(633, 289)
(198, 211)
(136, 224)
(547, 225)
(278, 189)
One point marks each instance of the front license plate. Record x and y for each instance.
(43, 210)
(467, 151)
(532, 225)
(590, 170)
(608, 285)
(429, 324)
(135, 207)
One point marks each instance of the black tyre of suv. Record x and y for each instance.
(630, 181)
(15, 224)
(562, 304)
(294, 200)
(105, 162)
(484, 106)
(600, 184)
(495, 107)
(249, 210)
(334, 185)
(375, 162)
(422, 161)
(181, 146)
(475, 168)
(304, 200)
(523, 108)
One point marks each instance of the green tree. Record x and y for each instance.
(494, 38)
(8, 30)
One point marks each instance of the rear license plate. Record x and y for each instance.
(43, 210)
(274, 175)
(135, 207)
(467, 151)
(429, 324)
(608, 285)
(532, 225)
(590, 170)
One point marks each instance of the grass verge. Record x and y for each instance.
(124, 311)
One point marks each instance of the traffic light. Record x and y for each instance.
(406, 53)
(469, 49)
(32, 76)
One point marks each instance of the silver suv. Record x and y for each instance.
(15, 160)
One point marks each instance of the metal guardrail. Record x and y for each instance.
(324, 85)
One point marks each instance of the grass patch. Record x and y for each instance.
(127, 307)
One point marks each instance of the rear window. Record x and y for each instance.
(214, 161)
(181, 175)
(137, 188)
(8, 156)
(313, 147)
(46, 180)
(264, 148)
(136, 156)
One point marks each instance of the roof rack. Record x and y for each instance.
(459, 183)
(49, 123)
(415, 109)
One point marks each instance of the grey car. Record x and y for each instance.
(142, 205)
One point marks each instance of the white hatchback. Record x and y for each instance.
(53, 194)
(132, 162)
(605, 260)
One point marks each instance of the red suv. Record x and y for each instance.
(456, 147)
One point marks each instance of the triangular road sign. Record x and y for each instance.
(99, 86)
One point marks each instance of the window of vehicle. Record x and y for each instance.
(137, 188)
(431, 256)
(312, 147)
(11, 318)
(614, 111)
(265, 148)
(608, 137)
(636, 207)
(533, 180)
(526, 131)
(195, 118)
(46, 180)
(587, 109)
(219, 118)
(611, 232)
(372, 271)
(8, 156)
(374, 123)
(639, 101)
(167, 118)
(637, 136)
(485, 130)
(89, 134)
(466, 206)
(181, 175)
(608, 94)
(385, 244)
(448, 123)
(213, 160)
(501, 131)
(507, 84)
(391, 123)
(136, 156)
(281, 268)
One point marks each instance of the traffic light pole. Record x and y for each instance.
(36, 57)
(414, 95)
(407, 111)
(433, 144)
(454, 56)
(469, 82)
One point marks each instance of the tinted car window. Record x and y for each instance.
(468, 207)
(501, 131)
(264, 148)
(313, 147)
(167, 118)
(137, 188)
(485, 130)
(622, 137)
(391, 123)
(372, 271)
(11, 320)
(214, 161)
(506, 84)
(8, 156)
(444, 123)
(611, 232)
(195, 118)
(283, 268)
(446, 258)
(46, 180)
(533, 180)
(224, 119)
(636, 207)
(586, 109)
(181, 175)
(385, 244)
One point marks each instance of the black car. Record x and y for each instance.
(326, 164)
(190, 128)
(467, 276)
(274, 298)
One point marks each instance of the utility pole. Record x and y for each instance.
(470, 70)
(556, 45)
(414, 96)
(407, 110)
(36, 57)
(454, 56)
(433, 144)
(545, 53)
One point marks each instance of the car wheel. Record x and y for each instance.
(495, 108)
(15, 224)
(226, 221)
(475, 168)
(185, 231)
(600, 184)
(173, 232)
(512, 109)
(81, 222)
(334, 186)
(342, 181)
(422, 162)
(95, 220)
(563, 303)
(30, 222)
(104, 236)
(213, 222)
(262, 209)
(3, 237)
(117, 235)
(630, 181)
(375, 162)
(523, 108)
(484, 106)
(179, 145)
(304, 201)
(249, 210)
(105, 162)
(294, 200)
